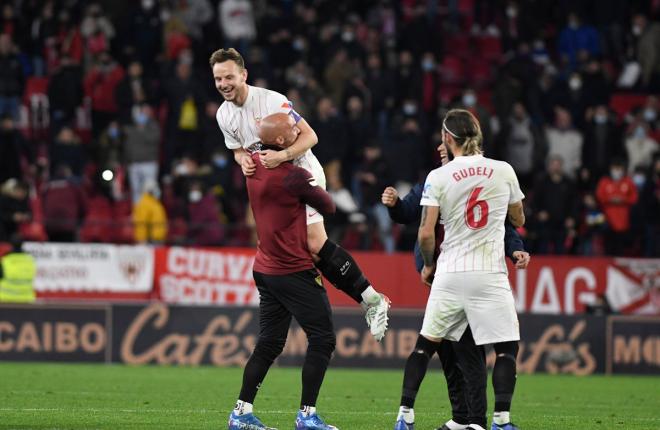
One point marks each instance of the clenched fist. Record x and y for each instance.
(389, 197)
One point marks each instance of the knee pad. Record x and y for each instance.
(269, 349)
(339, 267)
(507, 349)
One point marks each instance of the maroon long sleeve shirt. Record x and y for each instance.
(278, 198)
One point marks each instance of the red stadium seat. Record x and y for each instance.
(458, 45)
(479, 73)
(177, 230)
(35, 86)
(489, 48)
(622, 103)
(449, 92)
(451, 70)
(122, 229)
(97, 226)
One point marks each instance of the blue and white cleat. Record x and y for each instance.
(312, 422)
(402, 425)
(246, 422)
(507, 426)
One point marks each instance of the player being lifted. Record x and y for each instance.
(469, 283)
(238, 118)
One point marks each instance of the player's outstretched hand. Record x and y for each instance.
(271, 159)
(247, 165)
(389, 197)
(522, 259)
(427, 274)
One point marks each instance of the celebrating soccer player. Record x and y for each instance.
(408, 211)
(469, 282)
(238, 118)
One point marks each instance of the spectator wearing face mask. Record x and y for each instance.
(141, 144)
(616, 194)
(578, 42)
(565, 141)
(470, 102)
(604, 137)
(639, 145)
(204, 228)
(647, 35)
(651, 112)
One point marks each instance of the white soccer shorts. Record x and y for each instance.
(310, 163)
(482, 299)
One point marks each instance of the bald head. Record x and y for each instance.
(278, 129)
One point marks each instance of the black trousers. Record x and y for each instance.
(300, 295)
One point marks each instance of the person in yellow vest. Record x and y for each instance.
(17, 272)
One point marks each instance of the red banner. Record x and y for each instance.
(223, 276)
(551, 285)
(201, 276)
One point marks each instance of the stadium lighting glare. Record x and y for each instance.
(107, 175)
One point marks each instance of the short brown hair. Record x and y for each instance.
(222, 55)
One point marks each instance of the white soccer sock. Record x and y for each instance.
(308, 410)
(371, 296)
(501, 418)
(476, 427)
(407, 413)
(242, 407)
(453, 425)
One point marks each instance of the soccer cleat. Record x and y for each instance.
(507, 426)
(402, 425)
(246, 422)
(377, 317)
(312, 422)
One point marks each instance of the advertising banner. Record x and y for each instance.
(550, 285)
(80, 270)
(198, 276)
(161, 334)
(164, 334)
(223, 277)
(633, 345)
(54, 333)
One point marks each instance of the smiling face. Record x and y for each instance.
(230, 81)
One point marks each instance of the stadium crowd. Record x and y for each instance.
(108, 128)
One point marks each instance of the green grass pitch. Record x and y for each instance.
(77, 396)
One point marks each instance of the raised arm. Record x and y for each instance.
(406, 210)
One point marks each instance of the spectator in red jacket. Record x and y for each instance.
(616, 194)
(100, 84)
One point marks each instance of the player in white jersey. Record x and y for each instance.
(472, 195)
(238, 118)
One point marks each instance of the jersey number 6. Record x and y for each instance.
(476, 211)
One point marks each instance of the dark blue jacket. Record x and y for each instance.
(408, 211)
